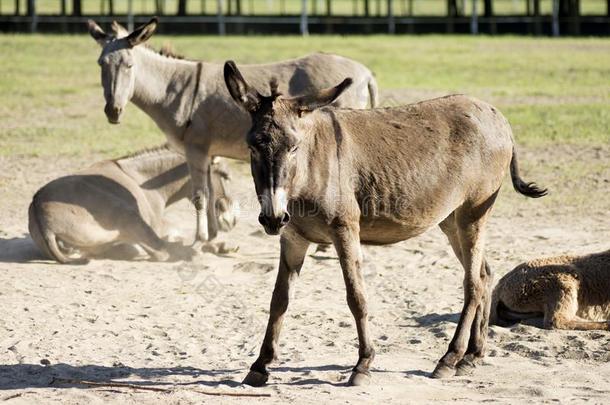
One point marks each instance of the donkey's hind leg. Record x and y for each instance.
(140, 233)
(470, 223)
(478, 331)
(561, 308)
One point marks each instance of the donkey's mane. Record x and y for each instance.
(152, 151)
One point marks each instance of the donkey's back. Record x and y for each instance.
(317, 71)
(418, 163)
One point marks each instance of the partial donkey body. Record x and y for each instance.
(190, 103)
(114, 202)
(563, 292)
(376, 176)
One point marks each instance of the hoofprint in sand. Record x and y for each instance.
(198, 326)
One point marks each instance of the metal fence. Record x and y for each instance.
(539, 17)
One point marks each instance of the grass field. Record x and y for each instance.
(552, 91)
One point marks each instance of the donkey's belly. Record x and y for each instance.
(382, 231)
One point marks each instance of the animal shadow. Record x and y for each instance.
(434, 319)
(23, 376)
(19, 250)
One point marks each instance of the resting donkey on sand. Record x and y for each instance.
(119, 201)
(376, 176)
(564, 292)
(190, 103)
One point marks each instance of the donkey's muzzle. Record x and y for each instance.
(273, 224)
(113, 113)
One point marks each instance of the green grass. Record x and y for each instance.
(552, 91)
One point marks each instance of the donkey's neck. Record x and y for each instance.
(159, 172)
(164, 88)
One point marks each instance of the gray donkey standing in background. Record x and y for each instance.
(189, 101)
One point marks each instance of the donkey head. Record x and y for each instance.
(118, 63)
(278, 127)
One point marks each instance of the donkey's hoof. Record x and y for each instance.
(255, 379)
(359, 379)
(465, 367)
(443, 371)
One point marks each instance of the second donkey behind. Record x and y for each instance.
(117, 202)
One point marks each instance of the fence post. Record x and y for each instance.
(64, 12)
(220, 17)
(391, 22)
(488, 12)
(32, 14)
(537, 22)
(130, 15)
(304, 23)
(474, 19)
(555, 18)
(77, 7)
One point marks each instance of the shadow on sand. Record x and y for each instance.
(22, 376)
(25, 376)
(434, 319)
(19, 250)
(24, 250)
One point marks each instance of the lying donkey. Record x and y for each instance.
(564, 292)
(189, 101)
(376, 176)
(115, 202)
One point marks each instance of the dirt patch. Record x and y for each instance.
(200, 324)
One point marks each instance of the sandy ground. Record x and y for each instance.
(198, 325)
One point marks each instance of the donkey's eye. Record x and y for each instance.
(294, 149)
(129, 65)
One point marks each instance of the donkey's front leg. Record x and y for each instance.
(347, 243)
(198, 161)
(292, 253)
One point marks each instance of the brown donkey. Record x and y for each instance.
(562, 292)
(377, 176)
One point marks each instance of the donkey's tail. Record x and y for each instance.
(531, 190)
(45, 239)
(373, 91)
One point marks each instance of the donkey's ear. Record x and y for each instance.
(241, 92)
(143, 33)
(96, 32)
(118, 30)
(320, 99)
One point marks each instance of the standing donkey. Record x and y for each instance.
(190, 103)
(376, 176)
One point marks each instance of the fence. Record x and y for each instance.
(539, 17)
